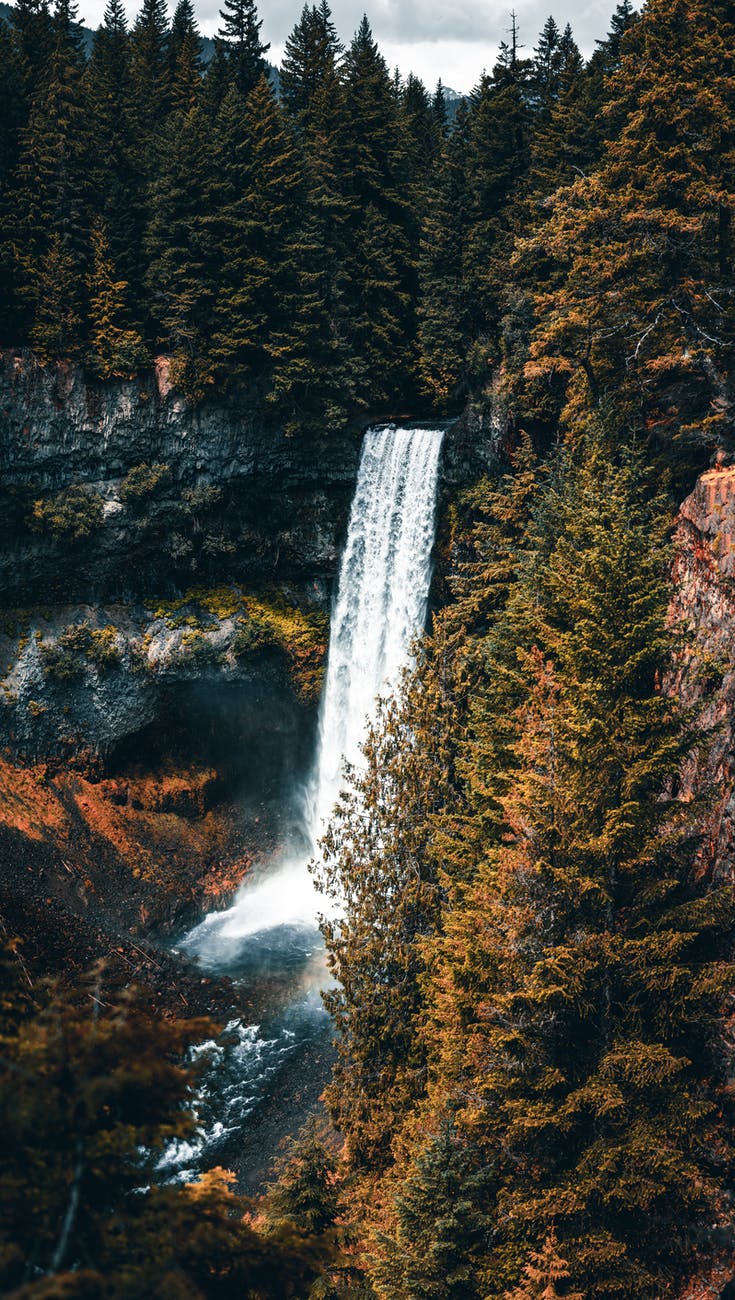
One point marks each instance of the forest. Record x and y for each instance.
(533, 1096)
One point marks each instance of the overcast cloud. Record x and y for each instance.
(432, 38)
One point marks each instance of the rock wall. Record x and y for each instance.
(230, 497)
(704, 601)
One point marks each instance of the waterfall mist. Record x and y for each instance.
(380, 607)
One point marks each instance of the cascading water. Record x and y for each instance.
(380, 607)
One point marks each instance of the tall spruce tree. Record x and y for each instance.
(185, 57)
(586, 964)
(310, 63)
(636, 260)
(240, 44)
(180, 276)
(260, 176)
(384, 236)
(115, 346)
(116, 187)
(444, 324)
(150, 75)
(47, 215)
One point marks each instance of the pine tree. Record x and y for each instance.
(584, 1075)
(116, 349)
(13, 110)
(439, 109)
(32, 35)
(309, 66)
(384, 237)
(496, 158)
(185, 57)
(180, 273)
(377, 865)
(92, 1088)
(444, 331)
(115, 185)
(239, 38)
(544, 73)
(262, 182)
(46, 211)
(560, 148)
(150, 76)
(429, 1243)
(304, 1191)
(542, 1274)
(636, 260)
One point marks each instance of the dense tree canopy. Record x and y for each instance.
(348, 243)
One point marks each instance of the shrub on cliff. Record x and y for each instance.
(143, 482)
(71, 515)
(66, 659)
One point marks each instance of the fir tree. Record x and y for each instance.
(32, 36)
(262, 183)
(444, 329)
(309, 65)
(636, 261)
(46, 212)
(429, 1243)
(115, 185)
(180, 276)
(304, 1191)
(150, 96)
(382, 270)
(593, 1086)
(116, 349)
(542, 1275)
(185, 57)
(240, 43)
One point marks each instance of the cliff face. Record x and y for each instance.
(704, 599)
(174, 494)
(165, 576)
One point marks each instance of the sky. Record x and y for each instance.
(433, 38)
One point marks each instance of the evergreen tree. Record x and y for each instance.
(439, 109)
(444, 331)
(635, 261)
(544, 74)
(240, 43)
(150, 74)
(496, 158)
(542, 1275)
(115, 185)
(185, 57)
(382, 267)
(429, 1243)
(92, 1087)
(262, 182)
(180, 277)
(32, 36)
(304, 1192)
(115, 347)
(588, 1080)
(560, 148)
(13, 110)
(377, 865)
(309, 65)
(46, 212)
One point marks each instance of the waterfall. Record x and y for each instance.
(380, 607)
(270, 932)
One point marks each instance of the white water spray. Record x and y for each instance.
(380, 607)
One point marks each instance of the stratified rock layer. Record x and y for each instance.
(704, 599)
